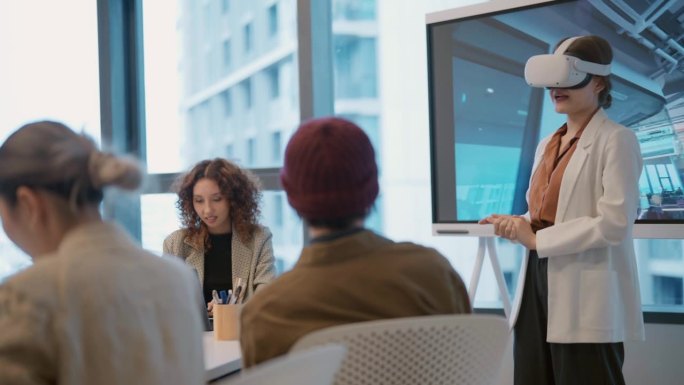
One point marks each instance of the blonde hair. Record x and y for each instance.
(50, 156)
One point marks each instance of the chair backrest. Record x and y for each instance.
(313, 366)
(453, 349)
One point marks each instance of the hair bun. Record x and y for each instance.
(107, 169)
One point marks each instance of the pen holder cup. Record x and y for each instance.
(227, 322)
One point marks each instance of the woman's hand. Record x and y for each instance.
(210, 308)
(512, 227)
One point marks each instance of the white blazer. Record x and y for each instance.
(592, 274)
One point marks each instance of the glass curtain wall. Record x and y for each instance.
(220, 81)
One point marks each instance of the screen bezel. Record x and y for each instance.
(643, 228)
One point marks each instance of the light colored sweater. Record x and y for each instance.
(103, 311)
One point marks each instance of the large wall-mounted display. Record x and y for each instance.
(485, 121)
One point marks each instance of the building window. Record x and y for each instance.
(206, 17)
(273, 75)
(273, 20)
(247, 92)
(230, 151)
(354, 10)
(251, 151)
(248, 38)
(227, 101)
(278, 209)
(276, 144)
(668, 290)
(355, 67)
(227, 54)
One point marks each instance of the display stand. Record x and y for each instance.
(487, 246)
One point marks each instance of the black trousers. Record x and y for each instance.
(538, 362)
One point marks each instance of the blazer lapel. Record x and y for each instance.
(240, 261)
(570, 181)
(196, 260)
(577, 162)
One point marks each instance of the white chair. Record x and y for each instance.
(452, 349)
(314, 366)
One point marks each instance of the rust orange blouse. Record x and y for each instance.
(546, 181)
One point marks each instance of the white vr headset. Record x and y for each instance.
(560, 70)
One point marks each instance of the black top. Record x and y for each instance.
(218, 270)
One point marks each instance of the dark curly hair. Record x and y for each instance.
(240, 187)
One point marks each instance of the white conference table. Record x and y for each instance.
(220, 357)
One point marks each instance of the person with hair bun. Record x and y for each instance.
(579, 294)
(221, 237)
(95, 308)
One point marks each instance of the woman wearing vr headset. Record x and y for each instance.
(580, 296)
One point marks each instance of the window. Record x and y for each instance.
(159, 219)
(247, 93)
(273, 20)
(65, 87)
(276, 144)
(227, 100)
(206, 15)
(248, 38)
(174, 92)
(354, 10)
(356, 74)
(251, 152)
(273, 75)
(286, 227)
(668, 290)
(230, 152)
(278, 209)
(227, 54)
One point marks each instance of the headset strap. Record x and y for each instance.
(565, 45)
(582, 65)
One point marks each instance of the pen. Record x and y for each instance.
(236, 295)
(237, 291)
(224, 297)
(215, 297)
(230, 296)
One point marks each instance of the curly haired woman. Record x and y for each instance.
(220, 238)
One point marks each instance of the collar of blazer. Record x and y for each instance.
(592, 128)
(239, 252)
(575, 164)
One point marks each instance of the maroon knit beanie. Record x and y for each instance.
(330, 171)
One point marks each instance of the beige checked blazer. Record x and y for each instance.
(252, 262)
